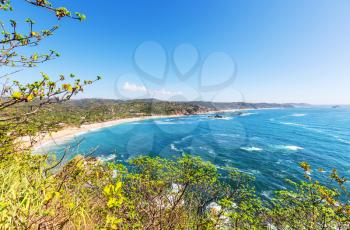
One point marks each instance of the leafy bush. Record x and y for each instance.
(155, 193)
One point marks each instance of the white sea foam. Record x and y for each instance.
(80, 133)
(224, 118)
(186, 137)
(316, 130)
(190, 148)
(298, 115)
(254, 172)
(221, 118)
(292, 147)
(342, 140)
(207, 149)
(252, 149)
(107, 158)
(232, 135)
(251, 171)
(247, 114)
(160, 122)
(292, 124)
(135, 123)
(173, 147)
(267, 194)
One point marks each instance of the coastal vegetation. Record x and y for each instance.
(155, 193)
(38, 192)
(87, 111)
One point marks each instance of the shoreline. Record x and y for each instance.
(68, 133)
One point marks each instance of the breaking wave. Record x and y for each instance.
(252, 149)
(298, 115)
(291, 147)
(107, 158)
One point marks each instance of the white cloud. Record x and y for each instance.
(130, 87)
(156, 93)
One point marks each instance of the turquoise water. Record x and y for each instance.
(268, 144)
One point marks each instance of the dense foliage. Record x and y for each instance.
(39, 192)
(78, 112)
(155, 193)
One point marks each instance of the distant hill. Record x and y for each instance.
(205, 105)
(83, 111)
(238, 105)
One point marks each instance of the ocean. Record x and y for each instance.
(266, 143)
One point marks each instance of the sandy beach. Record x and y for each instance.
(72, 132)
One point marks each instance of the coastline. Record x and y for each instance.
(68, 133)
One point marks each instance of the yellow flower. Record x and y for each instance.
(67, 87)
(17, 95)
(30, 97)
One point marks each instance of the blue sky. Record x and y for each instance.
(255, 51)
